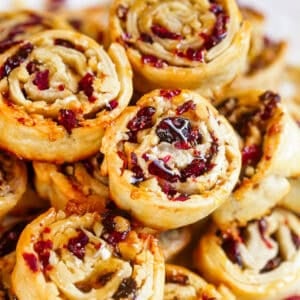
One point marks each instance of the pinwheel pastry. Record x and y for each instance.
(185, 285)
(257, 261)
(59, 89)
(290, 88)
(171, 159)
(92, 21)
(269, 142)
(78, 184)
(13, 181)
(90, 256)
(17, 26)
(174, 241)
(200, 45)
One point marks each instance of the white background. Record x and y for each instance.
(283, 17)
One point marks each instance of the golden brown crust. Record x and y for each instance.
(98, 256)
(57, 101)
(181, 44)
(268, 141)
(256, 261)
(172, 156)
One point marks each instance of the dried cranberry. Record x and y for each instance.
(76, 23)
(231, 247)
(251, 155)
(61, 87)
(169, 94)
(41, 80)
(67, 119)
(263, 227)
(192, 54)
(77, 244)
(180, 279)
(9, 238)
(64, 43)
(153, 61)
(146, 38)
(271, 265)
(174, 129)
(195, 169)
(182, 145)
(86, 85)
(141, 121)
(110, 234)
(32, 67)
(42, 249)
(295, 297)
(189, 105)
(7, 44)
(15, 61)
(31, 261)
(127, 289)
(160, 169)
(136, 169)
(122, 12)
(216, 8)
(163, 33)
(181, 198)
(296, 240)
(167, 188)
(270, 101)
(112, 105)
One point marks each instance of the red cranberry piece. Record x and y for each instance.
(14, 61)
(141, 121)
(160, 169)
(77, 244)
(181, 198)
(86, 85)
(251, 155)
(270, 101)
(195, 169)
(262, 227)
(189, 105)
(76, 23)
(167, 188)
(122, 12)
(296, 240)
(61, 87)
(174, 129)
(31, 261)
(146, 38)
(9, 238)
(41, 80)
(64, 43)
(192, 54)
(163, 33)
(169, 94)
(216, 8)
(295, 297)
(182, 145)
(32, 67)
(112, 105)
(271, 265)
(180, 279)
(7, 44)
(136, 169)
(42, 249)
(127, 289)
(153, 61)
(231, 247)
(67, 119)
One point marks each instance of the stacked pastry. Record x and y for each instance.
(134, 136)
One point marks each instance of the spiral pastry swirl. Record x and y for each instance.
(98, 256)
(257, 261)
(269, 139)
(171, 156)
(199, 45)
(13, 181)
(15, 27)
(59, 90)
(79, 184)
(184, 284)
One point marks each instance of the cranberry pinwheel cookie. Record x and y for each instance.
(90, 256)
(59, 90)
(184, 284)
(269, 142)
(257, 261)
(171, 159)
(13, 181)
(174, 241)
(200, 45)
(68, 184)
(17, 26)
